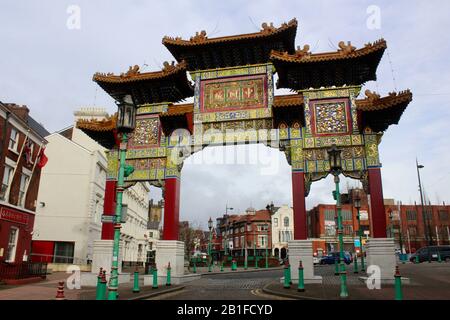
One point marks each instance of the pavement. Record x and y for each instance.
(47, 289)
(427, 282)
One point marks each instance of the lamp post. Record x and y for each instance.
(226, 229)
(426, 225)
(271, 208)
(126, 122)
(357, 204)
(334, 157)
(210, 225)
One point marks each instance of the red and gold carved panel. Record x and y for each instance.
(236, 93)
(146, 134)
(330, 117)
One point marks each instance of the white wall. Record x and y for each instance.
(72, 187)
(277, 229)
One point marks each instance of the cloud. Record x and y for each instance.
(49, 68)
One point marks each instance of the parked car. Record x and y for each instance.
(332, 256)
(431, 253)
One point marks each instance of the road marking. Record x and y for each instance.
(260, 293)
(167, 295)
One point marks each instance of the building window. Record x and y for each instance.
(6, 180)
(348, 230)
(12, 244)
(242, 241)
(242, 229)
(329, 215)
(443, 215)
(286, 221)
(275, 222)
(151, 234)
(63, 252)
(346, 215)
(262, 241)
(411, 215)
(13, 139)
(249, 227)
(428, 214)
(23, 185)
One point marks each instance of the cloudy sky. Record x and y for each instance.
(48, 65)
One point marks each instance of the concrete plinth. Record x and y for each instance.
(102, 258)
(89, 279)
(302, 250)
(381, 253)
(170, 251)
(162, 280)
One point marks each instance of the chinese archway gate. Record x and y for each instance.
(233, 89)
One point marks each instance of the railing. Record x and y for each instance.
(23, 270)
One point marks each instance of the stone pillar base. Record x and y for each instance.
(102, 256)
(170, 251)
(89, 279)
(162, 280)
(381, 253)
(302, 250)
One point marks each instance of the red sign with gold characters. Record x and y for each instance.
(235, 93)
(13, 216)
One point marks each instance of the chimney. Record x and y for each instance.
(20, 111)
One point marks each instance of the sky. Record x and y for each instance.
(48, 58)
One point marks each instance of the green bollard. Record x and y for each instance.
(101, 293)
(286, 283)
(301, 279)
(169, 280)
(195, 267)
(245, 264)
(355, 266)
(336, 267)
(398, 285)
(103, 282)
(289, 273)
(417, 259)
(439, 257)
(221, 267)
(136, 282)
(99, 280)
(155, 278)
(233, 265)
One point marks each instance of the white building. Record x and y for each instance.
(70, 202)
(282, 230)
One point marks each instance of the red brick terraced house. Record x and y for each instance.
(250, 231)
(22, 144)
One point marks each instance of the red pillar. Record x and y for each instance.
(109, 209)
(171, 209)
(377, 204)
(298, 197)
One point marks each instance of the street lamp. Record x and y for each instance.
(226, 228)
(210, 225)
(126, 122)
(426, 225)
(334, 157)
(271, 208)
(357, 204)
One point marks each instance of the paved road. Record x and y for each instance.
(235, 286)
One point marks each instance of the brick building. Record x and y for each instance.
(21, 145)
(406, 228)
(250, 231)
